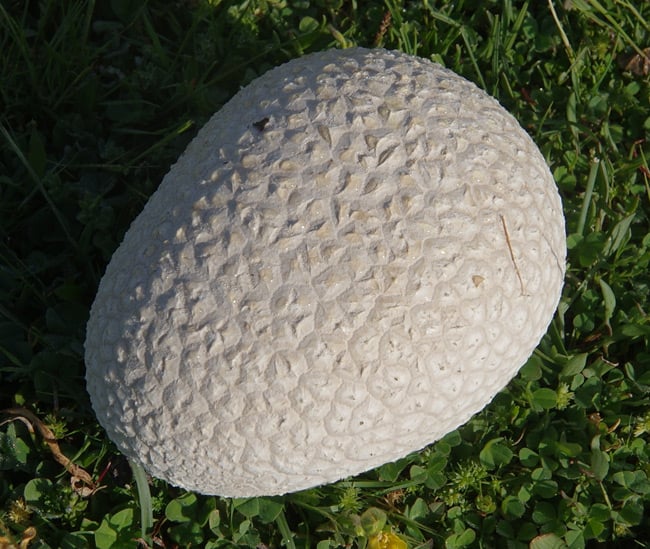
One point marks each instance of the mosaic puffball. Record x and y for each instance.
(352, 257)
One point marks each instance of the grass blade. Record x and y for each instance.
(39, 185)
(144, 497)
(283, 526)
(589, 191)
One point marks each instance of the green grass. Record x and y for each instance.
(97, 100)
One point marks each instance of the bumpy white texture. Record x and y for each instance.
(351, 258)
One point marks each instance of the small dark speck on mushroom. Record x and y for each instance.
(261, 124)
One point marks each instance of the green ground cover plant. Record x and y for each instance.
(98, 99)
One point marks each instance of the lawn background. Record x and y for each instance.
(97, 100)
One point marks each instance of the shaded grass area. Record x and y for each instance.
(99, 98)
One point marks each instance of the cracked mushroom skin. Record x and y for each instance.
(352, 257)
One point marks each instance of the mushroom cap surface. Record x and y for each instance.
(352, 257)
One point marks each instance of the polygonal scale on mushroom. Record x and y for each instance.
(353, 256)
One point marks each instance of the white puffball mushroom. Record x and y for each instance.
(352, 257)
